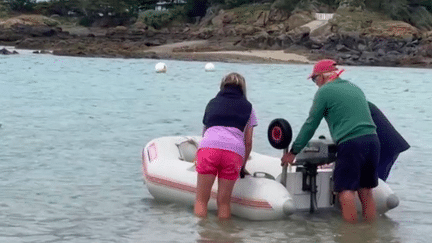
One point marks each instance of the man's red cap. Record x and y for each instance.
(323, 66)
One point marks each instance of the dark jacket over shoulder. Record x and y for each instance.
(392, 143)
(390, 139)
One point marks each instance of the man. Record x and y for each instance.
(346, 111)
(392, 143)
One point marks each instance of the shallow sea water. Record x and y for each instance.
(72, 130)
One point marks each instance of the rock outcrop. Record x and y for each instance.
(353, 37)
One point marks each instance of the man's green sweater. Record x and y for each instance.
(345, 108)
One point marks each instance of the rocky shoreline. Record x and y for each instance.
(142, 42)
(126, 43)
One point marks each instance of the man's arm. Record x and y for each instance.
(309, 127)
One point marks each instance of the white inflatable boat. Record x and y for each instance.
(169, 174)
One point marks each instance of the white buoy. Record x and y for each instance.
(161, 67)
(209, 67)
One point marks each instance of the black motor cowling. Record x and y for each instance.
(317, 152)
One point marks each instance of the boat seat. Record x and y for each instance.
(188, 150)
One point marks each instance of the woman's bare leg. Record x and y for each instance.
(225, 188)
(204, 186)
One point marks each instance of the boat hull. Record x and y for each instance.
(260, 196)
(170, 179)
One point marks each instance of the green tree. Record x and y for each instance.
(286, 5)
(425, 3)
(60, 7)
(236, 3)
(329, 2)
(196, 8)
(21, 5)
(147, 4)
(4, 9)
(155, 19)
(96, 7)
(396, 9)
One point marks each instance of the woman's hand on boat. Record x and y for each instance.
(288, 158)
(243, 172)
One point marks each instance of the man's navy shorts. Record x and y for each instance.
(357, 163)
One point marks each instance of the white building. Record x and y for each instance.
(323, 16)
(161, 5)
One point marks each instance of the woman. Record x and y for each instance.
(227, 142)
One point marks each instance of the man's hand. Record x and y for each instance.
(288, 158)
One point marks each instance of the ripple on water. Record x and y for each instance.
(70, 157)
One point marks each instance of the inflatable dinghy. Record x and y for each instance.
(269, 193)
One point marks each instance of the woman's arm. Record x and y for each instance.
(248, 145)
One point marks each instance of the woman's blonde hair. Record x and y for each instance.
(234, 79)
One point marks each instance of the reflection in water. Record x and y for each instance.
(215, 230)
(324, 226)
(352, 233)
(383, 230)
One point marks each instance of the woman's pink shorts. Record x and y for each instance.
(223, 163)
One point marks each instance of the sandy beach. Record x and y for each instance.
(261, 56)
(269, 55)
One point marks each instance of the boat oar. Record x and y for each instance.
(279, 135)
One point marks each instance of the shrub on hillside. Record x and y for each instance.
(286, 5)
(196, 8)
(396, 9)
(420, 17)
(306, 5)
(4, 10)
(22, 5)
(235, 3)
(158, 19)
(155, 18)
(85, 21)
(427, 4)
(43, 8)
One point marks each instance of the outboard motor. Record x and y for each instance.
(302, 183)
(316, 153)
